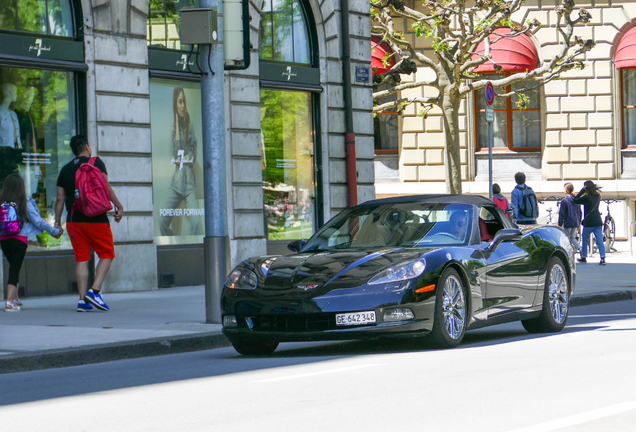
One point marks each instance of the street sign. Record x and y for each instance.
(490, 93)
(490, 114)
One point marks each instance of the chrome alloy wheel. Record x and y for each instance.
(558, 294)
(454, 307)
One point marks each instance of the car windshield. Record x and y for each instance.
(396, 224)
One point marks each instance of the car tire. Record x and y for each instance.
(556, 301)
(451, 311)
(251, 347)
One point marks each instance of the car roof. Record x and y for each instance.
(439, 198)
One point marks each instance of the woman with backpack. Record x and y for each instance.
(590, 197)
(21, 219)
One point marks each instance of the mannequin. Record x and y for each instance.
(9, 126)
(31, 172)
(25, 121)
(9, 133)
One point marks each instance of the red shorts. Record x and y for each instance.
(85, 235)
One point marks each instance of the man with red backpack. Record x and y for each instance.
(83, 187)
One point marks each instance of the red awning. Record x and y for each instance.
(517, 54)
(378, 54)
(626, 51)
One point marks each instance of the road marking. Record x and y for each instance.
(310, 374)
(580, 418)
(602, 315)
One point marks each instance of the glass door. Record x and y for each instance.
(287, 146)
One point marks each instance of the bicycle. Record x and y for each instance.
(549, 209)
(609, 231)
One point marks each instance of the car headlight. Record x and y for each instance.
(400, 272)
(242, 278)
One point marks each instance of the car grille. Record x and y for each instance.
(294, 323)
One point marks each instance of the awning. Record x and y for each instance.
(517, 54)
(378, 54)
(626, 51)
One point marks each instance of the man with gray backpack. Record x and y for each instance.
(524, 202)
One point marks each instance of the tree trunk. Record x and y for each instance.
(453, 176)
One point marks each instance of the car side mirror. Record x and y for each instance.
(505, 235)
(296, 245)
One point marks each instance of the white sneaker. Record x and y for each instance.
(11, 307)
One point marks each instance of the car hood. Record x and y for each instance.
(331, 269)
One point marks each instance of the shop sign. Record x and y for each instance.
(42, 47)
(289, 74)
(174, 60)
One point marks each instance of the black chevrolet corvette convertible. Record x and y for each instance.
(429, 266)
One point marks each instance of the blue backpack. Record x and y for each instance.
(528, 207)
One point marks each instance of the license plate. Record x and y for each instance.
(355, 318)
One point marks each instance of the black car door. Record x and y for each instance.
(512, 271)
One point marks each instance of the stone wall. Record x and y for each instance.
(119, 130)
(333, 113)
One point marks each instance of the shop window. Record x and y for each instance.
(177, 156)
(514, 128)
(283, 33)
(164, 23)
(37, 121)
(287, 148)
(46, 17)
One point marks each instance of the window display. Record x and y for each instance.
(37, 121)
(175, 119)
(288, 168)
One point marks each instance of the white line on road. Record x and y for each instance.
(602, 315)
(288, 377)
(580, 418)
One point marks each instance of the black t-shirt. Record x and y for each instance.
(66, 180)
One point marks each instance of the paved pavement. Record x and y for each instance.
(48, 332)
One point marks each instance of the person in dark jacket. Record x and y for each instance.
(590, 197)
(570, 215)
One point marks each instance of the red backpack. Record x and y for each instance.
(94, 196)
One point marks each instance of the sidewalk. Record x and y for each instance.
(48, 332)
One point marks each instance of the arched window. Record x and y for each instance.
(514, 128)
(625, 61)
(164, 23)
(46, 17)
(284, 36)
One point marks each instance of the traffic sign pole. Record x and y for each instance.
(490, 117)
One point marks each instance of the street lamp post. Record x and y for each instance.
(217, 240)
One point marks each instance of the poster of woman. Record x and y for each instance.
(176, 152)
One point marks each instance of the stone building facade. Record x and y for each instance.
(120, 84)
(582, 132)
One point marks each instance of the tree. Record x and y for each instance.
(455, 28)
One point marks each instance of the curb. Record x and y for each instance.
(606, 297)
(47, 359)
